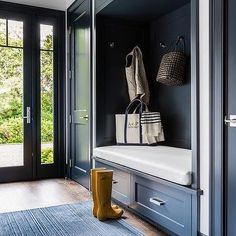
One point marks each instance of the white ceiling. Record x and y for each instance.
(52, 4)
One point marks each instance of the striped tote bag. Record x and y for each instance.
(152, 130)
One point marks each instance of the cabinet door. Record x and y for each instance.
(80, 21)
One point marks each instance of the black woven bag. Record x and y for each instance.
(172, 67)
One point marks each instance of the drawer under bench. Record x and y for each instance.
(167, 206)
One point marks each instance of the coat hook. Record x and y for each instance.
(112, 44)
(179, 38)
(162, 45)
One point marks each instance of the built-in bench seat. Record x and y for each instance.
(155, 182)
(169, 163)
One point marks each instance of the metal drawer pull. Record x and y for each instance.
(157, 201)
(114, 182)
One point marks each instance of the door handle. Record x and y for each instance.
(85, 117)
(231, 121)
(28, 115)
(157, 201)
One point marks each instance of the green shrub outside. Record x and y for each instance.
(11, 71)
(47, 156)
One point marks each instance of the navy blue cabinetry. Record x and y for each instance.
(169, 206)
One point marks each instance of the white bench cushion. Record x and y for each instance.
(172, 164)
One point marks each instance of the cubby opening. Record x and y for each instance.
(151, 25)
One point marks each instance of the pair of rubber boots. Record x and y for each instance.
(101, 185)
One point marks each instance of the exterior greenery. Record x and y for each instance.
(47, 156)
(11, 91)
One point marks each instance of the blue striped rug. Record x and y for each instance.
(72, 219)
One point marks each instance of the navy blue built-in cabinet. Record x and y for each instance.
(121, 25)
(168, 206)
(118, 26)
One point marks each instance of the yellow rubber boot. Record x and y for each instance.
(104, 189)
(93, 188)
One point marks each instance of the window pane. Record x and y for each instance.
(15, 33)
(81, 64)
(11, 107)
(3, 28)
(46, 37)
(47, 107)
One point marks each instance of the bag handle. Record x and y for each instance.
(141, 104)
(180, 40)
(146, 108)
(134, 101)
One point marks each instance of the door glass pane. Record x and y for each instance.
(3, 30)
(81, 64)
(47, 113)
(46, 37)
(11, 105)
(15, 33)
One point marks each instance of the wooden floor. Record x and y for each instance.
(44, 193)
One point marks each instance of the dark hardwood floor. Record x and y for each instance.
(44, 193)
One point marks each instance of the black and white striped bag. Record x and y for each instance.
(152, 130)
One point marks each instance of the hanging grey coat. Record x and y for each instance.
(136, 76)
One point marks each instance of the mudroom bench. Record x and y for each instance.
(155, 182)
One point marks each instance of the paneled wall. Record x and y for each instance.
(115, 39)
(174, 103)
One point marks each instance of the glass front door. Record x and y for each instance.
(31, 73)
(15, 99)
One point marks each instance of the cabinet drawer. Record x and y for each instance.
(121, 184)
(170, 208)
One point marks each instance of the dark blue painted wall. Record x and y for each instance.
(112, 92)
(112, 95)
(174, 103)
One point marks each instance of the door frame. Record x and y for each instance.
(217, 96)
(59, 18)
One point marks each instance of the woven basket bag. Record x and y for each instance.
(172, 67)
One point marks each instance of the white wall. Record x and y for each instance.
(52, 4)
(204, 114)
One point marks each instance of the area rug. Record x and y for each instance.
(72, 219)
